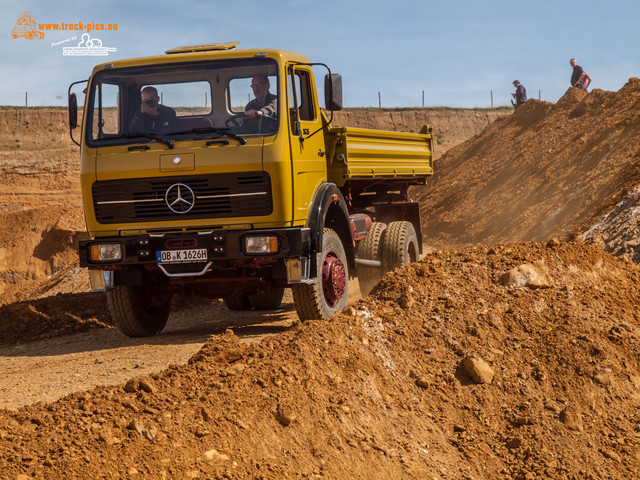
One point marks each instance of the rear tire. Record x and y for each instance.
(237, 303)
(328, 292)
(140, 310)
(267, 300)
(369, 249)
(399, 245)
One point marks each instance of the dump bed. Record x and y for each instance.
(358, 153)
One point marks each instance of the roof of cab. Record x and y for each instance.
(209, 51)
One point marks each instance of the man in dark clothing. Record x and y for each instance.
(265, 103)
(153, 117)
(520, 95)
(577, 76)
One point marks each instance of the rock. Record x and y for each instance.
(135, 425)
(523, 420)
(477, 369)
(524, 275)
(138, 426)
(131, 386)
(351, 311)
(148, 386)
(554, 242)
(406, 301)
(572, 419)
(514, 443)
(214, 456)
(422, 382)
(284, 415)
(602, 378)
(611, 455)
(206, 416)
(130, 406)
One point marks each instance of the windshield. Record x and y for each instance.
(183, 101)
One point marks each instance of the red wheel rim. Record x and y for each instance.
(334, 278)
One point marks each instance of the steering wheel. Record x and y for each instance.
(233, 120)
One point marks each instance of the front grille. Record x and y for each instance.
(220, 195)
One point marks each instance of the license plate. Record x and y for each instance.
(182, 256)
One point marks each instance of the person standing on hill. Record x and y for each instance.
(578, 75)
(520, 95)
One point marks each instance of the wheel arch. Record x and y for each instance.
(329, 209)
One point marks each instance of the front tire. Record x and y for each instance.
(268, 300)
(237, 303)
(328, 292)
(140, 310)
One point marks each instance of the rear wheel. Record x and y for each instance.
(369, 249)
(267, 300)
(399, 245)
(140, 310)
(328, 292)
(237, 303)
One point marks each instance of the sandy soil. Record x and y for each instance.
(491, 361)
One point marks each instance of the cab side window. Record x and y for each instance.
(107, 103)
(299, 93)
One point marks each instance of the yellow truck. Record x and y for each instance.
(213, 170)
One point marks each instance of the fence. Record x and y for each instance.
(389, 99)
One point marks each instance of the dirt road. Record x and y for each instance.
(46, 370)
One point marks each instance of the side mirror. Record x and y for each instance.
(333, 91)
(73, 111)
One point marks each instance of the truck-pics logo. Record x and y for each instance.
(26, 27)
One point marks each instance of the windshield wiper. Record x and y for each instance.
(220, 131)
(150, 136)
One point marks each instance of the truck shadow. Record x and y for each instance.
(77, 323)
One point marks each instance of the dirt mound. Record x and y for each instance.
(386, 389)
(52, 316)
(38, 250)
(547, 170)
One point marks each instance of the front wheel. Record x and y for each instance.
(140, 310)
(267, 300)
(237, 303)
(328, 292)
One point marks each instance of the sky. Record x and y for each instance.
(457, 53)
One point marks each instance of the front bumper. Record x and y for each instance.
(225, 249)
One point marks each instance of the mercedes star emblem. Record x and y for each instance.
(180, 198)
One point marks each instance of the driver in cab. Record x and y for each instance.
(265, 103)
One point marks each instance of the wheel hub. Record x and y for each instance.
(334, 278)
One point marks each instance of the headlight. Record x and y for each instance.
(105, 252)
(261, 245)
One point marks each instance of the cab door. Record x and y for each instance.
(308, 156)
